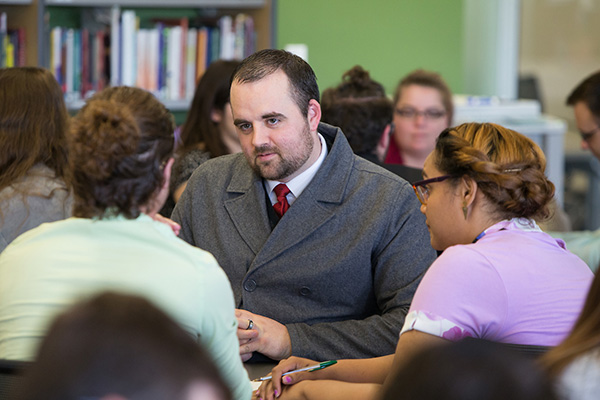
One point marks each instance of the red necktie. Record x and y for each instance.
(282, 204)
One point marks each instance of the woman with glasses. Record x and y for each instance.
(422, 109)
(499, 278)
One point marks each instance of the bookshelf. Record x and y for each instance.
(39, 17)
(28, 15)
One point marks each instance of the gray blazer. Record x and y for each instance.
(339, 269)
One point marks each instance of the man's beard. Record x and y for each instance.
(281, 167)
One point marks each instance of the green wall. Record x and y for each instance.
(389, 38)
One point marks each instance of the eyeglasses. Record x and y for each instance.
(429, 114)
(421, 189)
(587, 136)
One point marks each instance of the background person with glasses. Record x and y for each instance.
(500, 278)
(422, 109)
(585, 100)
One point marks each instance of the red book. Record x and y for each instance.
(86, 82)
(184, 31)
(21, 48)
(100, 60)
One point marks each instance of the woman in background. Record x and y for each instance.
(33, 151)
(208, 130)
(120, 157)
(360, 107)
(575, 363)
(499, 278)
(422, 110)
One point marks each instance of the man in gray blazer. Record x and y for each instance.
(327, 267)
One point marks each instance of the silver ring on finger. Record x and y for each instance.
(250, 324)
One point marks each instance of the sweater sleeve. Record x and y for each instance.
(219, 333)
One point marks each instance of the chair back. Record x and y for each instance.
(528, 350)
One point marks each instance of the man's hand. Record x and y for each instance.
(265, 336)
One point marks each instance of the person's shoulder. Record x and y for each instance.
(202, 262)
(367, 167)
(40, 235)
(455, 256)
(228, 162)
(408, 173)
(220, 169)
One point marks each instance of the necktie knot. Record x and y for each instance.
(282, 205)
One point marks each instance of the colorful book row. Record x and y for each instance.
(12, 44)
(166, 59)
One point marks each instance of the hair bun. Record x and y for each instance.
(104, 132)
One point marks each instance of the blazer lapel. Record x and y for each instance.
(247, 208)
(317, 203)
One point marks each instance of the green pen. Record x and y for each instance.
(311, 368)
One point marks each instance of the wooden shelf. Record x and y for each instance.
(26, 14)
(15, 2)
(33, 15)
(172, 105)
(160, 3)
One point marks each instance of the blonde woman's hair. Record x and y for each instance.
(507, 166)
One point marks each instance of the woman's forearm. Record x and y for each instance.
(368, 370)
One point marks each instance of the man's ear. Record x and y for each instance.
(384, 142)
(216, 115)
(314, 114)
(167, 173)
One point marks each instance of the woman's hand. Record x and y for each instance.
(272, 388)
(175, 227)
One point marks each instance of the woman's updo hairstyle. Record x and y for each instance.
(119, 143)
(360, 107)
(507, 166)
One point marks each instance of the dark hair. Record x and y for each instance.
(33, 123)
(360, 107)
(584, 337)
(468, 370)
(303, 82)
(118, 344)
(119, 143)
(588, 91)
(212, 93)
(430, 79)
(507, 166)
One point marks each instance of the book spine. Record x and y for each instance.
(174, 64)
(153, 60)
(182, 72)
(128, 31)
(22, 46)
(70, 62)
(201, 52)
(3, 39)
(227, 38)
(115, 46)
(77, 62)
(103, 63)
(85, 63)
(190, 76)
